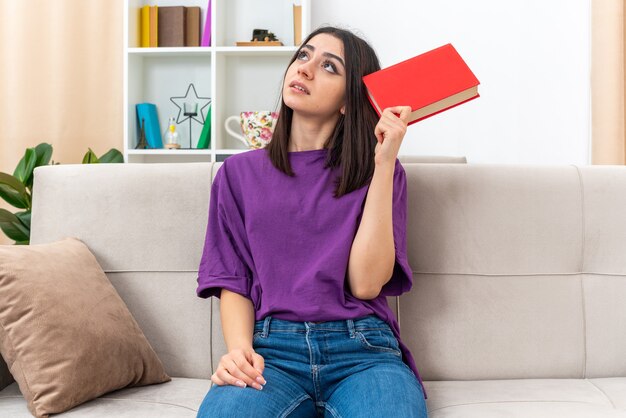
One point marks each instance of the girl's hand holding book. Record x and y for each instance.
(389, 132)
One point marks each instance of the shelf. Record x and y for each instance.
(231, 151)
(185, 151)
(171, 52)
(169, 151)
(222, 50)
(236, 79)
(256, 50)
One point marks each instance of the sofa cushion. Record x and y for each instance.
(521, 398)
(180, 397)
(65, 333)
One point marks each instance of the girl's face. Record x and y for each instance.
(319, 73)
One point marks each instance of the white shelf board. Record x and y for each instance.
(255, 50)
(231, 150)
(164, 151)
(171, 51)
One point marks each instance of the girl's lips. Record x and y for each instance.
(296, 84)
(297, 90)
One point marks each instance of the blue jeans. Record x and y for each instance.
(340, 369)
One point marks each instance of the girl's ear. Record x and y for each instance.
(343, 110)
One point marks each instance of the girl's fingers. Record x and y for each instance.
(233, 376)
(241, 377)
(219, 380)
(215, 379)
(386, 125)
(402, 112)
(237, 376)
(381, 127)
(405, 113)
(258, 362)
(393, 120)
(250, 374)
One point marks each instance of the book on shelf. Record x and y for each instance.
(171, 26)
(206, 36)
(205, 136)
(154, 26)
(297, 25)
(148, 113)
(192, 26)
(430, 83)
(149, 16)
(145, 27)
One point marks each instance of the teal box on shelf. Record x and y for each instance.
(148, 113)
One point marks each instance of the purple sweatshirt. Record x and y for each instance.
(284, 242)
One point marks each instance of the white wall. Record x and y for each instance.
(532, 58)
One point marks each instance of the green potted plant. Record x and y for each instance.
(17, 189)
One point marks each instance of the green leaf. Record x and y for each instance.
(13, 227)
(13, 191)
(24, 170)
(24, 217)
(90, 158)
(12, 182)
(13, 198)
(112, 156)
(6, 216)
(44, 153)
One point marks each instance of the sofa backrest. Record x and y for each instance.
(519, 271)
(431, 159)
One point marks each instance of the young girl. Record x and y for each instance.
(305, 240)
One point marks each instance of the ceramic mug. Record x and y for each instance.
(257, 127)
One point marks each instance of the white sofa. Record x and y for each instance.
(518, 307)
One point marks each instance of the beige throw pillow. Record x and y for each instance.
(65, 333)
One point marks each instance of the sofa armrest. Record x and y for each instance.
(5, 376)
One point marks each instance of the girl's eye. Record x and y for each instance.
(332, 66)
(304, 54)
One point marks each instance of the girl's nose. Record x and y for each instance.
(305, 69)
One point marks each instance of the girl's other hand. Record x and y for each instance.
(240, 367)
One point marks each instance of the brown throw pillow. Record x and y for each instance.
(65, 333)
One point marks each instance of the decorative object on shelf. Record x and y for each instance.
(191, 107)
(257, 127)
(142, 144)
(17, 189)
(148, 111)
(205, 136)
(171, 137)
(206, 37)
(190, 110)
(262, 37)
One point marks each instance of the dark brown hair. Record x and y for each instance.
(351, 145)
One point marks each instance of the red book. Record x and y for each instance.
(430, 83)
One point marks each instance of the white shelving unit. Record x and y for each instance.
(236, 79)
